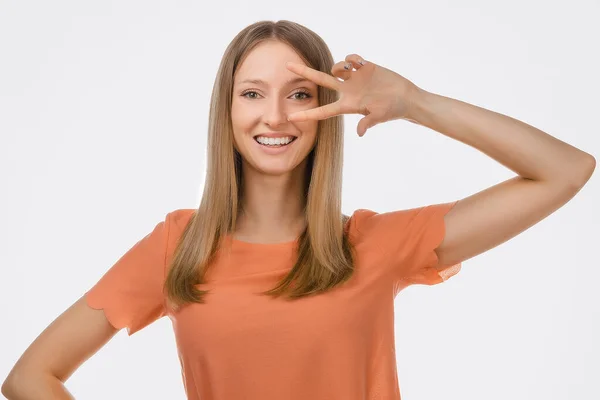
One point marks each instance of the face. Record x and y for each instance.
(259, 110)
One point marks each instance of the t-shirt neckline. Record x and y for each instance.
(242, 243)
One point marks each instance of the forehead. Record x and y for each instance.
(265, 64)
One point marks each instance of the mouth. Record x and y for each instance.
(271, 142)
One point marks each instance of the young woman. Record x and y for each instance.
(272, 291)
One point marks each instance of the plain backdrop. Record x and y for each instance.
(103, 122)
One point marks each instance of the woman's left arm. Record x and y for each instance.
(550, 172)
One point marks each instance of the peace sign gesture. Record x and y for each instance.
(372, 90)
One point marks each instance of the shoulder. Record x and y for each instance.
(176, 222)
(179, 218)
(364, 221)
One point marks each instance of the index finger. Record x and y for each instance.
(323, 112)
(318, 77)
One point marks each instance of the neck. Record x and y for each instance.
(272, 206)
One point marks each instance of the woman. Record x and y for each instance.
(272, 291)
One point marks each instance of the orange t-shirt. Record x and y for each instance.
(242, 345)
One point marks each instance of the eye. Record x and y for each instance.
(248, 92)
(303, 92)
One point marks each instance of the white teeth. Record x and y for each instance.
(274, 141)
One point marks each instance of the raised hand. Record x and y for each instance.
(374, 91)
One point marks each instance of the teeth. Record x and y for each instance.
(274, 141)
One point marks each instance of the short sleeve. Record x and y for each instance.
(409, 238)
(131, 291)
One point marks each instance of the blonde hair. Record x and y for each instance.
(325, 254)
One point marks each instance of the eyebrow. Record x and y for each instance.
(261, 82)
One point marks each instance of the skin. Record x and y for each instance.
(71, 339)
(80, 331)
(549, 171)
(273, 180)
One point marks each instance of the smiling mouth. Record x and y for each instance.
(264, 143)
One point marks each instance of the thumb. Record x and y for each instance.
(365, 123)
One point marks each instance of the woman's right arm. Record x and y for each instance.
(71, 339)
(129, 295)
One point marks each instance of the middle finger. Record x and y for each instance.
(318, 77)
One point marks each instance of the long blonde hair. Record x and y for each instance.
(325, 254)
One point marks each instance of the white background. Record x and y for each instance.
(103, 120)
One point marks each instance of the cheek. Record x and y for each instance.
(309, 127)
(240, 116)
(242, 122)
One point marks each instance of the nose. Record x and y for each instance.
(274, 113)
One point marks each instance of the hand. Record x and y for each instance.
(372, 90)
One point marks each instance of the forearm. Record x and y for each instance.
(34, 387)
(526, 150)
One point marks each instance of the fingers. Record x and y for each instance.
(318, 77)
(339, 70)
(343, 69)
(356, 61)
(324, 112)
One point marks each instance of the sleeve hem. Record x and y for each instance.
(432, 272)
(128, 293)
(96, 303)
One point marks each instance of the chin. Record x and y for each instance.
(274, 170)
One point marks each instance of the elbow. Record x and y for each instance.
(9, 386)
(23, 384)
(580, 173)
(14, 384)
(587, 169)
(592, 166)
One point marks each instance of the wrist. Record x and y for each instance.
(418, 105)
